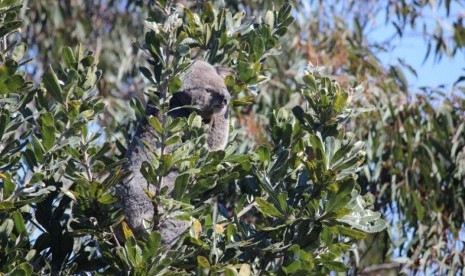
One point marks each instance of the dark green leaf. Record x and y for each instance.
(20, 226)
(8, 185)
(48, 131)
(10, 27)
(418, 206)
(180, 186)
(50, 81)
(146, 72)
(69, 58)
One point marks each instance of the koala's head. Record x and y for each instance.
(204, 87)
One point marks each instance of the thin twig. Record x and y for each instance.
(369, 270)
(246, 209)
(118, 245)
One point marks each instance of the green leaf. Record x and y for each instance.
(8, 186)
(230, 271)
(397, 72)
(19, 52)
(176, 125)
(358, 30)
(317, 146)
(180, 186)
(237, 158)
(244, 71)
(147, 171)
(50, 81)
(10, 27)
(258, 46)
(203, 262)
(351, 162)
(6, 227)
(208, 33)
(242, 101)
(48, 130)
(6, 205)
(151, 246)
(38, 148)
(133, 255)
(147, 74)
(267, 208)
(19, 222)
(418, 206)
(326, 236)
(183, 50)
(335, 266)
(4, 121)
(339, 199)
(349, 232)
(231, 230)
(175, 139)
(175, 85)
(293, 267)
(69, 58)
(340, 153)
(107, 199)
(310, 81)
(6, 3)
(22, 269)
(284, 12)
(279, 164)
(166, 162)
(14, 83)
(87, 61)
(208, 13)
(340, 101)
(155, 123)
(264, 154)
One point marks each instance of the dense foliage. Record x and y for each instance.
(316, 154)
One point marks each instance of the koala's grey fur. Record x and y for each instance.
(204, 87)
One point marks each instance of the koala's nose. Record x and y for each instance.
(225, 99)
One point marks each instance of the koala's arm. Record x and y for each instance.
(218, 131)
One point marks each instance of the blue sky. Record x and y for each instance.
(430, 73)
(412, 47)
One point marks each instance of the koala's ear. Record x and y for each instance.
(224, 71)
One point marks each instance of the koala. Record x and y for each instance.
(203, 86)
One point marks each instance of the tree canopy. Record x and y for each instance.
(334, 162)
